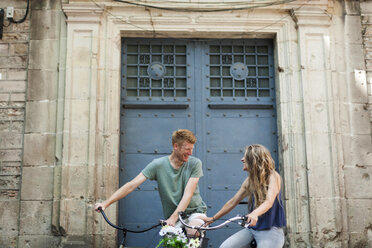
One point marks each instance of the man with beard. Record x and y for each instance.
(177, 176)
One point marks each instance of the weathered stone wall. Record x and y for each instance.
(30, 101)
(14, 48)
(42, 137)
(59, 123)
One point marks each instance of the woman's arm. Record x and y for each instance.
(231, 204)
(272, 192)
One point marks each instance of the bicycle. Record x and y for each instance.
(243, 223)
(125, 230)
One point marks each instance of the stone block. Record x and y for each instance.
(35, 218)
(358, 87)
(8, 241)
(15, 37)
(39, 241)
(352, 7)
(16, 126)
(3, 74)
(81, 84)
(46, 21)
(46, 5)
(9, 194)
(43, 58)
(73, 216)
(13, 62)
(359, 214)
(10, 155)
(17, 74)
(320, 117)
(5, 97)
(10, 140)
(10, 169)
(357, 150)
(326, 219)
(345, 122)
(322, 183)
(4, 49)
(17, 97)
(12, 114)
(321, 150)
(9, 218)
(74, 181)
(359, 240)
(360, 119)
(365, 7)
(77, 241)
(43, 110)
(77, 151)
(18, 49)
(10, 182)
(37, 183)
(42, 85)
(4, 126)
(79, 115)
(39, 149)
(355, 56)
(316, 86)
(358, 182)
(12, 86)
(353, 29)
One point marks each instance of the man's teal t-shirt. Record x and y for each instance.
(172, 183)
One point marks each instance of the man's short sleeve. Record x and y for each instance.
(150, 170)
(197, 169)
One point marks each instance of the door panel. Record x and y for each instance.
(222, 90)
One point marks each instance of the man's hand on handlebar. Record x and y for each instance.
(171, 221)
(99, 205)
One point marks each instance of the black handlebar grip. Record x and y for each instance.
(183, 214)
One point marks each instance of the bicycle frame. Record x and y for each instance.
(125, 230)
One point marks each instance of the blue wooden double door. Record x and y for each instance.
(222, 90)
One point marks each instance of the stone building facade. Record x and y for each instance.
(60, 107)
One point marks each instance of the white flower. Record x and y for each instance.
(193, 243)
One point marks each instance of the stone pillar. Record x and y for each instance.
(320, 171)
(85, 93)
(13, 83)
(40, 159)
(356, 135)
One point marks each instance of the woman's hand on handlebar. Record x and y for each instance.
(252, 219)
(208, 220)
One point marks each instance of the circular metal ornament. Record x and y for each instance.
(239, 71)
(156, 70)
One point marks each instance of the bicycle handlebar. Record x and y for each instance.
(161, 222)
(242, 218)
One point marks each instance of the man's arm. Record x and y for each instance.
(122, 192)
(186, 198)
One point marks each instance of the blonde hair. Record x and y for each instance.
(182, 135)
(260, 166)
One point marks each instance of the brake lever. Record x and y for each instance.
(244, 222)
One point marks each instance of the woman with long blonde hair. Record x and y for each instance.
(266, 211)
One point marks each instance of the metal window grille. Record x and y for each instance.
(239, 71)
(155, 70)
